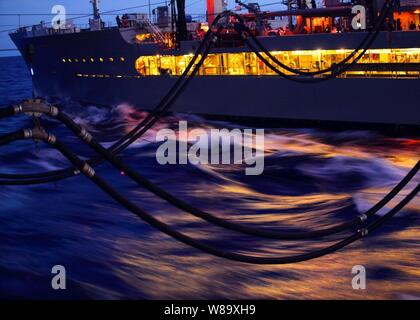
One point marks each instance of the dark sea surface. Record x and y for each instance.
(313, 178)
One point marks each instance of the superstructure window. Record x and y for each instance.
(167, 64)
(211, 65)
(379, 62)
(234, 64)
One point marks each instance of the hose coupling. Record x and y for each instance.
(51, 139)
(27, 133)
(363, 232)
(17, 109)
(53, 111)
(88, 170)
(363, 217)
(86, 136)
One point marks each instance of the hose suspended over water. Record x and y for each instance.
(336, 69)
(109, 155)
(242, 29)
(89, 172)
(88, 139)
(167, 101)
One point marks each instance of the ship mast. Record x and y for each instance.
(290, 19)
(95, 4)
(181, 22)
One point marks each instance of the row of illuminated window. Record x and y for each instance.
(247, 63)
(91, 60)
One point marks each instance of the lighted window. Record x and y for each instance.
(181, 64)
(147, 66)
(251, 63)
(247, 63)
(69, 60)
(234, 63)
(122, 59)
(92, 60)
(84, 60)
(76, 60)
(167, 65)
(111, 59)
(101, 59)
(64, 60)
(211, 65)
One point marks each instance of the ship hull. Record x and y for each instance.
(354, 100)
(342, 100)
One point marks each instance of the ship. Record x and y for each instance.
(139, 60)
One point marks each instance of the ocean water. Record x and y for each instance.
(313, 178)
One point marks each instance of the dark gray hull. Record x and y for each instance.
(359, 100)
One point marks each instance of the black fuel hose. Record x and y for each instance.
(336, 69)
(122, 200)
(176, 95)
(157, 112)
(154, 115)
(10, 137)
(6, 112)
(87, 138)
(66, 173)
(384, 13)
(142, 181)
(299, 79)
(310, 80)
